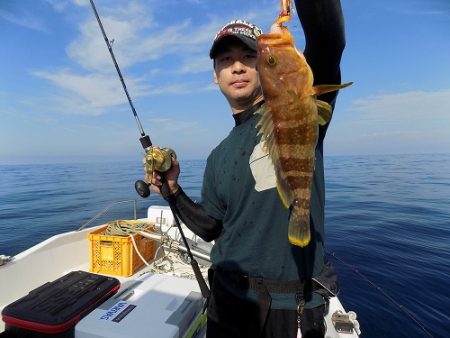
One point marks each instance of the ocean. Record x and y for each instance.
(387, 225)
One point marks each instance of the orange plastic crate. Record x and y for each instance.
(116, 255)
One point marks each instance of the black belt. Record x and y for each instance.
(245, 281)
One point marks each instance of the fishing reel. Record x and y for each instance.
(156, 159)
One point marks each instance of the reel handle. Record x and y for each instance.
(142, 188)
(144, 191)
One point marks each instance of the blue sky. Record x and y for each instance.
(61, 99)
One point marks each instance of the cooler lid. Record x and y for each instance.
(57, 306)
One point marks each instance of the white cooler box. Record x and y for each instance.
(153, 305)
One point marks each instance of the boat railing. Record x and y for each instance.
(108, 209)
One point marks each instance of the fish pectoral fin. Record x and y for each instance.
(324, 111)
(325, 88)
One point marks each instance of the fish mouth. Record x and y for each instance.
(274, 40)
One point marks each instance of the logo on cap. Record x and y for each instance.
(239, 27)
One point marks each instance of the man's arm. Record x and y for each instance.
(192, 214)
(323, 24)
(195, 216)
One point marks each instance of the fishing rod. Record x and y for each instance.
(156, 159)
(145, 139)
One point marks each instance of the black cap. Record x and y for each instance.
(243, 30)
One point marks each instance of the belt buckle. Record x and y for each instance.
(243, 279)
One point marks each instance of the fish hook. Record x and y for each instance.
(285, 13)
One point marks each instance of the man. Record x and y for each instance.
(261, 285)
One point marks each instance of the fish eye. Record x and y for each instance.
(271, 60)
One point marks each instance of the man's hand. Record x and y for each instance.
(171, 177)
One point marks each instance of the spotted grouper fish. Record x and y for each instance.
(289, 124)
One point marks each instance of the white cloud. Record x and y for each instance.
(89, 49)
(174, 125)
(25, 19)
(140, 37)
(90, 94)
(196, 64)
(426, 108)
(177, 88)
(137, 37)
(59, 5)
(93, 87)
(96, 94)
(428, 8)
(79, 2)
(409, 122)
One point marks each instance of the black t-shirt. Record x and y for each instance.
(239, 189)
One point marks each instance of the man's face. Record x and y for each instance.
(235, 73)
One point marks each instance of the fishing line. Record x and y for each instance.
(383, 292)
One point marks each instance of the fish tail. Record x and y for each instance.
(299, 230)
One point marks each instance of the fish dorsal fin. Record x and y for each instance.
(324, 111)
(268, 137)
(325, 88)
